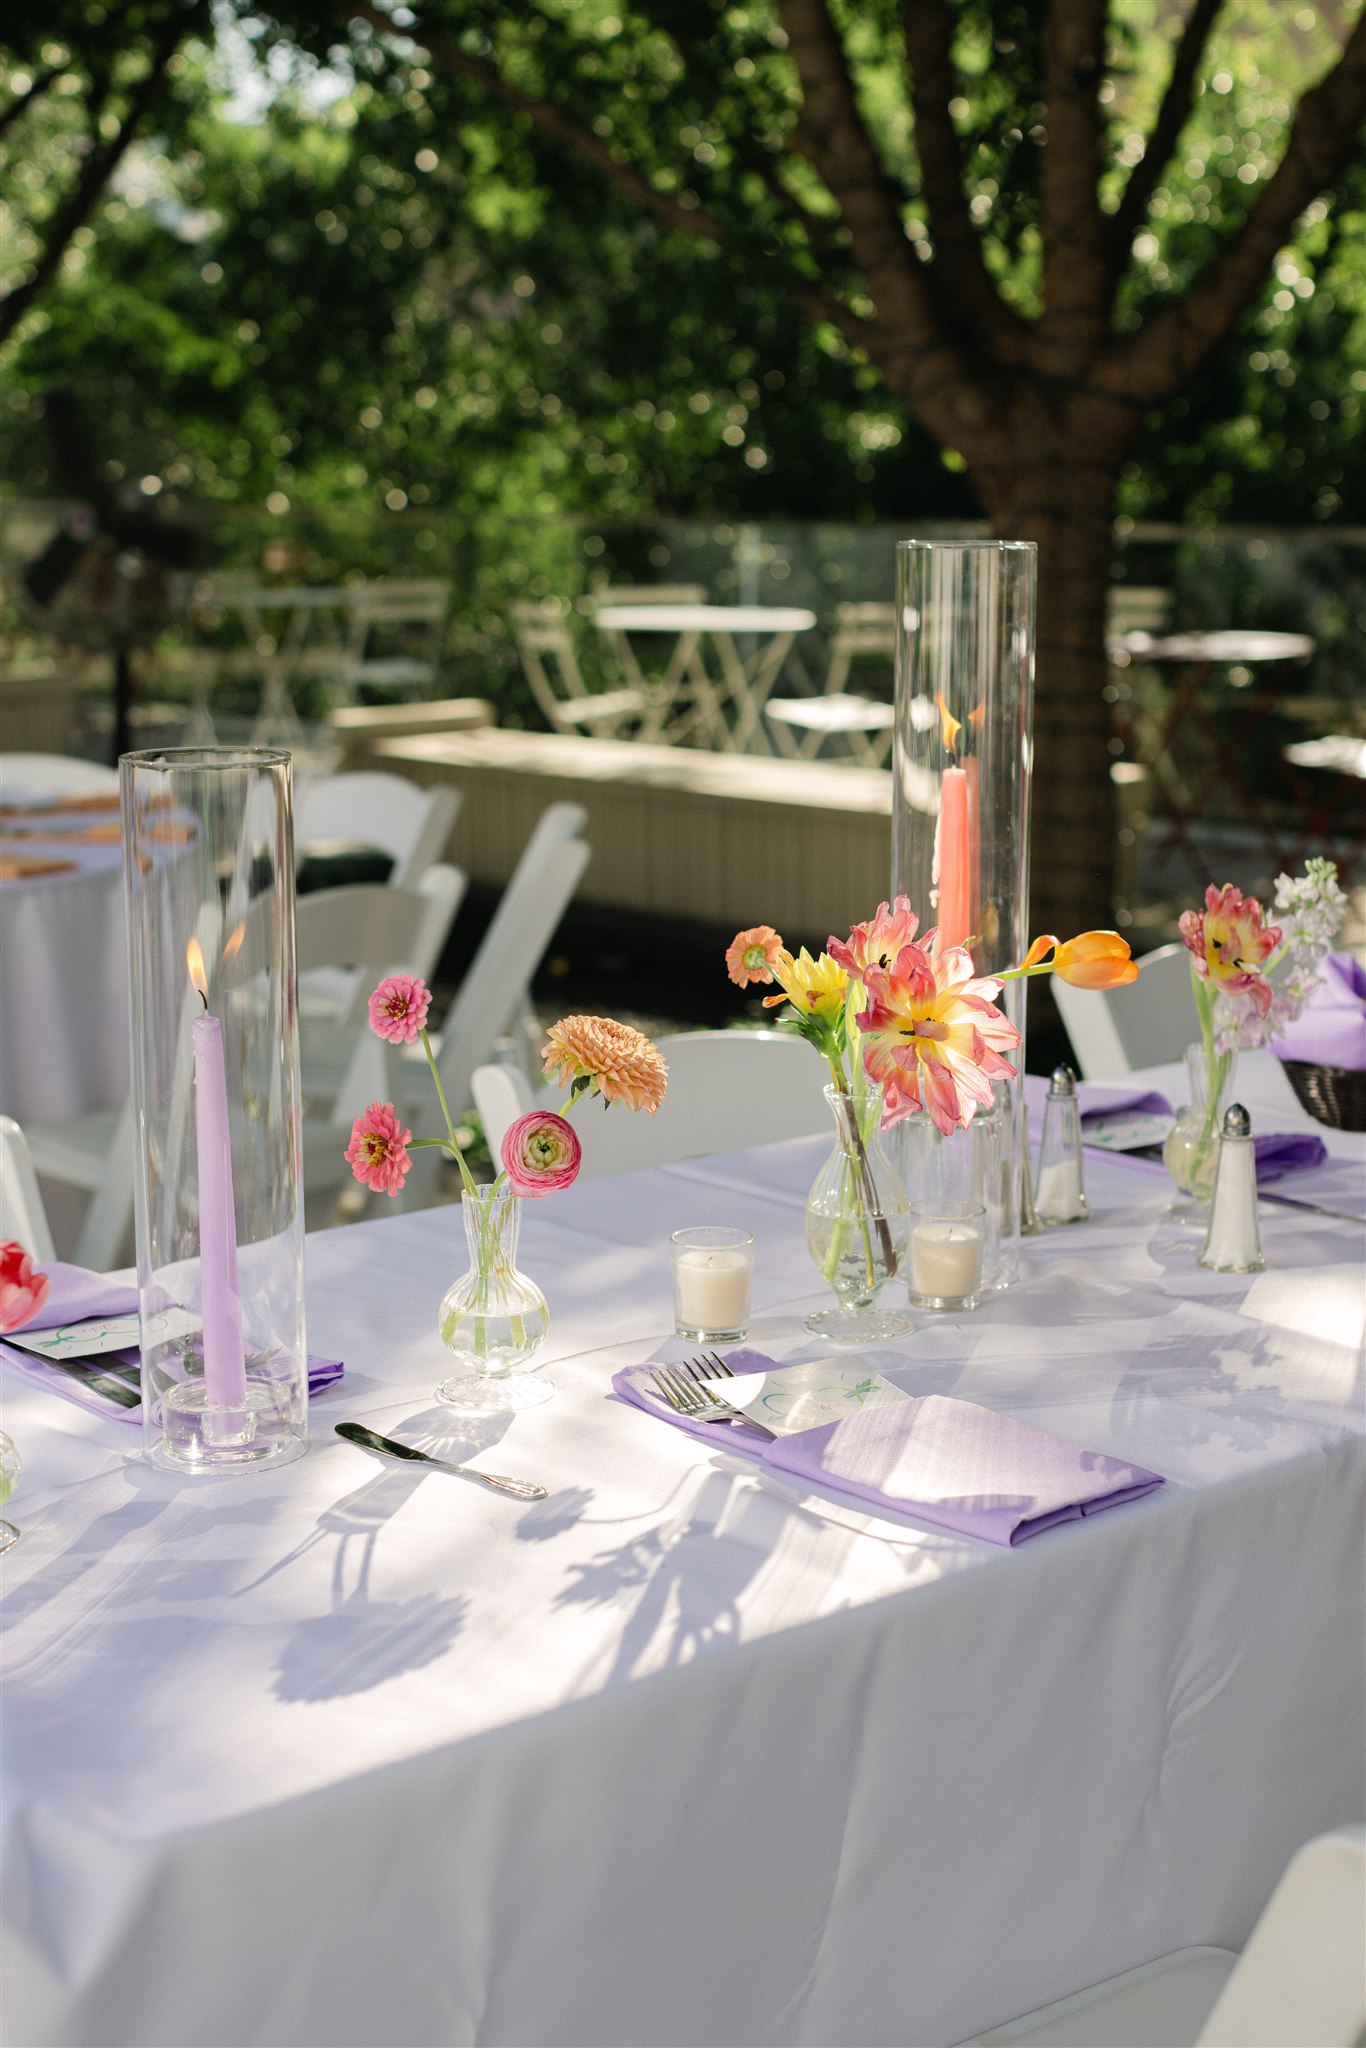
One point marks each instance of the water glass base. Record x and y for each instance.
(944, 1304)
(9, 1536)
(198, 1436)
(693, 1336)
(1188, 1213)
(858, 1326)
(481, 1393)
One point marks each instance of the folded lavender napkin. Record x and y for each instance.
(952, 1463)
(1331, 1030)
(1277, 1152)
(76, 1295)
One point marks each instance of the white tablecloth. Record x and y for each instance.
(686, 1753)
(63, 988)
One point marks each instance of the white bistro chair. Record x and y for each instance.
(409, 619)
(727, 1090)
(864, 723)
(551, 666)
(1299, 1983)
(40, 775)
(1146, 1024)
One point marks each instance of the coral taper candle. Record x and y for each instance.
(225, 1372)
(954, 858)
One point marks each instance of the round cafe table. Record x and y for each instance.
(63, 993)
(725, 703)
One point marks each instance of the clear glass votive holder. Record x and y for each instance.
(713, 1280)
(948, 1247)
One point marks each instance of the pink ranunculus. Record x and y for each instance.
(398, 1008)
(877, 943)
(22, 1290)
(378, 1152)
(1230, 945)
(541, 1153)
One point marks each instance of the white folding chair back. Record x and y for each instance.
(412, 825)
(23, 775)
(551, 666)
(727, 1090)
(1302, 1976)
(23, 1218)
(1146, 1024)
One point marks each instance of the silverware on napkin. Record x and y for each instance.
(111, 1384)
(681, 1386)
(387, 1447)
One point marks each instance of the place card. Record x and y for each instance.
(1127, 1133)
(100, 1334)
(805, 1396)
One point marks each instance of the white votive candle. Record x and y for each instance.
(946, 1258)
(1058, 1199)
(713, 1269)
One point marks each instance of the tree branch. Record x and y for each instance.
(1153, 365)
(24, 100)
(98, 167)
(1075, 276)
(923, 365)
(1172, 116)
(928, 32)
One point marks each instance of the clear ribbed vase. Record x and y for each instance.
(857, 1224)
(493, 1320)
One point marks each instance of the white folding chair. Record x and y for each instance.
(1145, 1024)
(39, 775)
(23, 1219)
(1299, 1983)
(544, 645)
(94, 1153)
(410, 824)
(727, 1090)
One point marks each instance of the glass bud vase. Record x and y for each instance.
(857, 1224)
(493, 1320)
(1191, 1152)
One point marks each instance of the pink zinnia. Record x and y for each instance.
(398, 1008)
(22, 1290)
(1230, 945)
(541, 1153)
(378, 1153)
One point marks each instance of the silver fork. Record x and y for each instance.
(680, 1387)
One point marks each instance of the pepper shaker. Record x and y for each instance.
(1061, 1197)
(1234, 1241)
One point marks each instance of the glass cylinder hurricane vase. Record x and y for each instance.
(208, 849)
(961, 788)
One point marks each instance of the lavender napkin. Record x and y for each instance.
(75, 1295)
(1331, 1031)
(952, 1463)
(1277, 1152)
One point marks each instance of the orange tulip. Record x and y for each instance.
(1095, 960)
(1043, 944)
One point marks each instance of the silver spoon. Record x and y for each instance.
(387, 1447)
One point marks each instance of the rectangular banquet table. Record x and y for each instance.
(688, 1752)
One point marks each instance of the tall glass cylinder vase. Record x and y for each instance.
(961, 795)
(209, 880)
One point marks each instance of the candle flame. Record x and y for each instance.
(234, 944)
(949, 725)
(194, 960)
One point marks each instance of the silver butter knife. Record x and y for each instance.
(387, 1447)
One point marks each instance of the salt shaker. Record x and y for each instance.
(1234, 1241)
(1060, 1197)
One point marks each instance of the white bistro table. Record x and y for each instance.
(726, 708)
(686, 1753)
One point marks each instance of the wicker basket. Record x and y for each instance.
(1335, 1095)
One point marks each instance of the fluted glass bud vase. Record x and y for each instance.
(857, 1224)
(1191, 1152)
(494, 1319)
(208, 857)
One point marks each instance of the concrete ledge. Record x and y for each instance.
(725, 838)
(360, 727)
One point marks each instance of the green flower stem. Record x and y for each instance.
(471, 1185)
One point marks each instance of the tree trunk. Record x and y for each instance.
(1066, 507)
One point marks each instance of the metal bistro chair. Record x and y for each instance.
(411, 612)
(863, 723)
(727, 1090)
(551, 666)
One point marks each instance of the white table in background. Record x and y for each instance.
(688, 1753)
(63, 980)
(726, 709)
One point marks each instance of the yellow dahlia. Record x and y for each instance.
(614, 1061)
